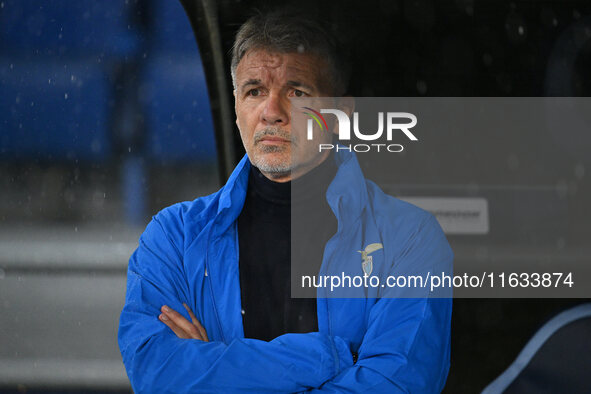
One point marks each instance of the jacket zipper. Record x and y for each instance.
(215, 309)
(322, 271)
(340, 237)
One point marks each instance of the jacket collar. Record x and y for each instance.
(347, 194)
(232, 196)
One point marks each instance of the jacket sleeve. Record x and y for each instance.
(406, 347)
(157, 360)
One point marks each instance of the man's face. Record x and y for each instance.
(265, 82)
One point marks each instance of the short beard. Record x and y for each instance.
(273, 169)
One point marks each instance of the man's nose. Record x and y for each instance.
(276, 110)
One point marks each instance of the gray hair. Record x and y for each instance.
(286, 31)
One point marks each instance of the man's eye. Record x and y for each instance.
(298, 93)
(253, 92)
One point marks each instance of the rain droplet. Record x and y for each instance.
(562, 188)
(572, 188)
(421, 87)
(560, 243)
(576, 14)
(95, 146)
(579, 171)
(513, 162)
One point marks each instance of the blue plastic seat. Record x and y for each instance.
(53, 111)
(68, 28)
(56, 63)
(174, 92)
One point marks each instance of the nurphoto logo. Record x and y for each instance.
(393, 125)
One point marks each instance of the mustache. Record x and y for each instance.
(273, 132)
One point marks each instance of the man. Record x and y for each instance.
(204, 268)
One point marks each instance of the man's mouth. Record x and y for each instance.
(270, 140)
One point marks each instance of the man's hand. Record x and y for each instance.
(181, 326)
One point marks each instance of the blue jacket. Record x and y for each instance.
(189, 253)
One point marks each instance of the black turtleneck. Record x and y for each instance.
(264, 238)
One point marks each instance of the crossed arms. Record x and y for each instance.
(405, 354)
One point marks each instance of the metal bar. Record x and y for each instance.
(203, 17)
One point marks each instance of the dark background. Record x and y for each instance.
(468, 48)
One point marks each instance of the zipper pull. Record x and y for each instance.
(205, 271)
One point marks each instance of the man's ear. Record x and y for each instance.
(235, 109)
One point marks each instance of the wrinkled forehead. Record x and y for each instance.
(279, 67)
